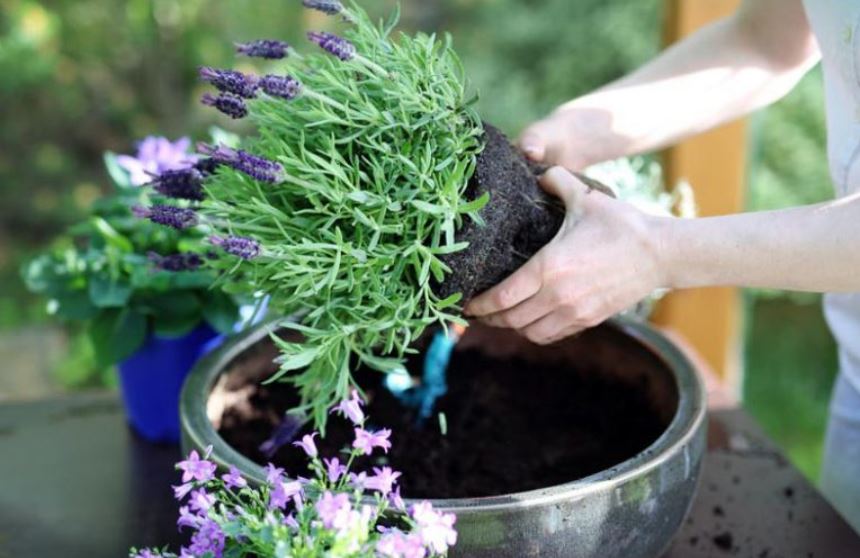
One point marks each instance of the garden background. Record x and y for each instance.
(78, 77)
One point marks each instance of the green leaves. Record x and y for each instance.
(105, 291)
(116, 334)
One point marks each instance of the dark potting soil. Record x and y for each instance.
(511, 426)
(518, 221)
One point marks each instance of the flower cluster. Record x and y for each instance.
(337, 513)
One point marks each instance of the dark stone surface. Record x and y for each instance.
(75, 482)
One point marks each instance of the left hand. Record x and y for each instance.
(604, 259)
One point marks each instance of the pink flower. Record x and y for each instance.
(397, 544)
(351, 408)
(435, 529)
(234, 479)
(154, 156)
(307, 444)
(334, 468)
(366, 441)
(196, 468)
(383, 480)
(334, 510)
(396, 500)
(282, 492)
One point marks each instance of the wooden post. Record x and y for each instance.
(714, 164)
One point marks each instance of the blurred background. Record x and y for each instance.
(79, 77)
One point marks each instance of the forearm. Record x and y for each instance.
(811, 248)
(720, 73)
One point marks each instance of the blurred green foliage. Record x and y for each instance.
(78, 77)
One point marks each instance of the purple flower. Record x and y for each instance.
(187, 261)
(230, 81)
(290, 521)
(330, 7)
(264, 48)
(206, 166)
(255, 167)
(195, 468)
(168, 215)
(334, 510)
(396, 500)
(227, 103)
(365, 441)
(182, 184)
(397, 544)
(274, 475)
(307, 444)
(334, 45)
(243, 247)
(181, 491)
(234, 479)
(383, 480)
(282, 492)
(200, 500)
(187, 519)
(435, 529)
(351, 408)
(208, 540)
(154, 156)
(286, 87)
(334, 468)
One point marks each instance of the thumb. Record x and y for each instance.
(533, 142)
(560, 183)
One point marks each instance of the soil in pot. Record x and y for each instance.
(512, 425)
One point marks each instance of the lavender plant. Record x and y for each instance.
(337, 513)
(341, 205)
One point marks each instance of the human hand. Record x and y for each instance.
(604, 259)
(572, 136)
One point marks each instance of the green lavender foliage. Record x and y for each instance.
(377, 152)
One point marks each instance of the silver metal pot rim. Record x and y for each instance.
(689, 416)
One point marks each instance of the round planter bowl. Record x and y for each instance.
(631, 510)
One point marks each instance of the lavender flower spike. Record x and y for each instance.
(182, 184)
(168, 215)
(334, 45)
(264, 48)
(230, 81)
(229, 104)
(255, 167)
(240, 246)
(286, 87)
(330, 7)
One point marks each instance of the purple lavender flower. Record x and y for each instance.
(195, 468)
(435, 529)
(334, 45)
(154, 156)
(334, 468)
(262, 169)
(181, 491)
(234, 479)
(366, 441)
(168, 215)
(351, 408)
(182, 184)
(282, 492)
(188, 261)
(334, 510)
(383, 480)
(206, 166)
(227, 103)
(201, 500)
(307, 444)
(247, 249)
(230, 81)
(208, 540)
(264, 48)
(330, 7)
(285, 87)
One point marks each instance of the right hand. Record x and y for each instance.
(571, 137)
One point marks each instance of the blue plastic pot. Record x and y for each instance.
(151, 379)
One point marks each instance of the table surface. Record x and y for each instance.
(74, 481)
